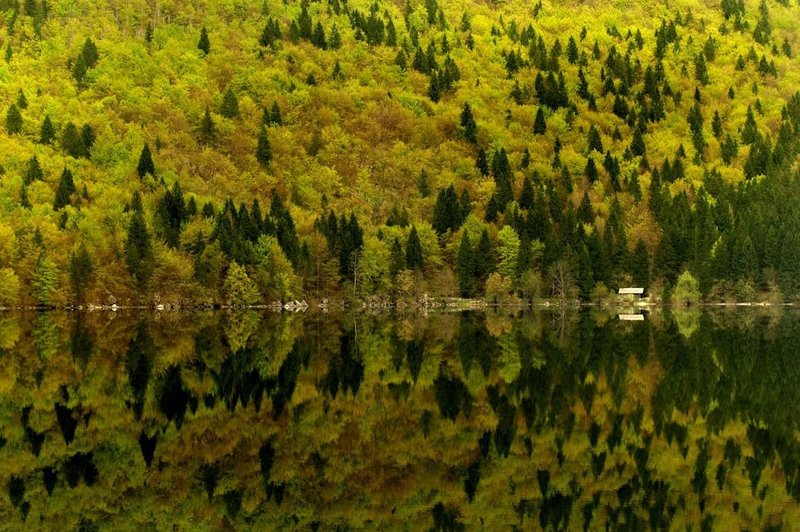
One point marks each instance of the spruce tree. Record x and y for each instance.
(145, 165)
(138, 247)
(65, 190)
(638, 147)
(33, 171)
(414, 260)
(716, 125)
(275, 115)
(72, 141)
(468, 126)
(539, 124)
(481, 163)
(397, 258)
(208, 130)
(591, 170)
(263, 150)
(594, 140)
(465, 266)
(204, 44)
(80, 271)
(22, 101)
(483, 260)
(230, 105)
(13, 120)
(47, 133)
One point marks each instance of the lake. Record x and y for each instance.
(446, 421)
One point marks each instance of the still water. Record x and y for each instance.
(448, 421)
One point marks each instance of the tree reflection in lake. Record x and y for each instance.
(446, 421)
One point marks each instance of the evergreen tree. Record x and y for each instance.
(13, 120)
(640, 265)
(585, 213)
(208, 130)
(468, 126)
(145, 165)
(716, 125)
(397, 259)
(22, 101)
(230, 105)
(72, 141)
(47, 133)
(594, 140)
(204, 44)
(750, 129)
(263, 150)
(138, 247)
(590, 171)
(414, 260)
(481, 163)
(638, 147)
(80, 271)
(33, 171)
(275, 117)
(65, 190)
(539, 124)
(483, 260)
(422, 184)
(45, 279)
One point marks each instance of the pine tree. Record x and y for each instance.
(138, 247)
(13, 120)
(422, 184)
(716, 125)
(230, 105)
(539, 124)
(80, 271)
(79, 69)
(33, 171)
(397, 259)
(434, 91)
(47, 133)
(208, 130)
(263, 150)
(638, 147)
(22, 101)
(468, 126)
(585, 213)
(465, 266)
(484, 260)
(750, 129)
(594, 140)
(414, 260)
(72, 141)
(204, 44)
(145, 165)
(591, 170)
(481, 163)
(65, 190)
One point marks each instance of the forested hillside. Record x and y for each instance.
(232, 151)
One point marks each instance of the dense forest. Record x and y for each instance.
(245, 152)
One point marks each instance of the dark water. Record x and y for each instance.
(447, 421)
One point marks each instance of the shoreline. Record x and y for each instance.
(453, 304)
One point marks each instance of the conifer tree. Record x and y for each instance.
(208, 130)
(204, 44)
(145, 165)
(65, 190)
(594, 140)
(481, 163)
(716, 125)
(638, 147)
(230, 105)
(138, 246)
(22, 101)
(465, 266)
(13, 120)
(33, 171)
(80, 271)
(483, 260)
(414, 260)
(397, 259)
(468, 126)
(539, 124)
(72, 141)
(263, 150)
(591, 170)
(47, 133)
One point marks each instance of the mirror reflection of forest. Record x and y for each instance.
(445, 421)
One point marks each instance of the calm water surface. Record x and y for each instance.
(447, 421)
